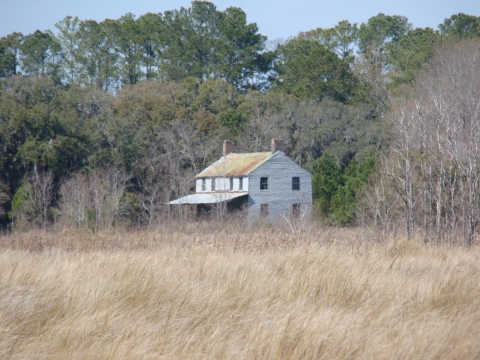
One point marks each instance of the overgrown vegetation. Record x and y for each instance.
(102, 123)
(337, 191)
(221, 293)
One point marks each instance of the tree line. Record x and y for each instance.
(102, 123)
(199, 42)
(205, 43)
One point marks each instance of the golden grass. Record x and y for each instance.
(263, 294)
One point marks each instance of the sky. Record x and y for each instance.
(275, 18)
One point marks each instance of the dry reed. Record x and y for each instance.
(228, 294)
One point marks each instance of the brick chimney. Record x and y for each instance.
(227, 147)
(278, 145)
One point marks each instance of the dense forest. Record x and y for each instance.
(102, 123)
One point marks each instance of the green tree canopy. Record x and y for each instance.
(98, 55)
(68, 38)
(412, 51)
(461, 26)
(381, 29)
(308, 69)
(239, 48)
(10, 53)
(341, 39)
(336, 191)
(41, 55)
(326, 179)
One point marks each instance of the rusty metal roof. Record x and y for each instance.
(236, 165)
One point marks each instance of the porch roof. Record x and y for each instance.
(208, 198)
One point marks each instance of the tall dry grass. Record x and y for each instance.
(231, 294)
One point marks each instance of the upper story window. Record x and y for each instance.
(295, 183)
(264, 183)
(240, 184)
(213, 184)
(231, 184)
(204, 184)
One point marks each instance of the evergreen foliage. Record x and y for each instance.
(336, 190)
(308, 69)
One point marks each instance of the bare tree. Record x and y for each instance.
(379, 203)
(185, 152)
(98, 190)
(95, 199)
(153, 183)
(437, 149)
(75, 200)
(260, 127)
(44, 188)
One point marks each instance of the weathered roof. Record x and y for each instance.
(209, 198)
(236, 165)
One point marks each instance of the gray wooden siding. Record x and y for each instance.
(280, 197)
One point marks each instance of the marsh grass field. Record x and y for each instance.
(213, 293)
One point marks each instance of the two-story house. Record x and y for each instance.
(270, 184)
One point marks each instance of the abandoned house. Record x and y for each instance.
(268, 185)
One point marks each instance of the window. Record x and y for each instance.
(204, 184)
(263, 210)
(264, 183)
(213, 184)
(240, 184)
(295, 183)
(231, 184)
(296, 211)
